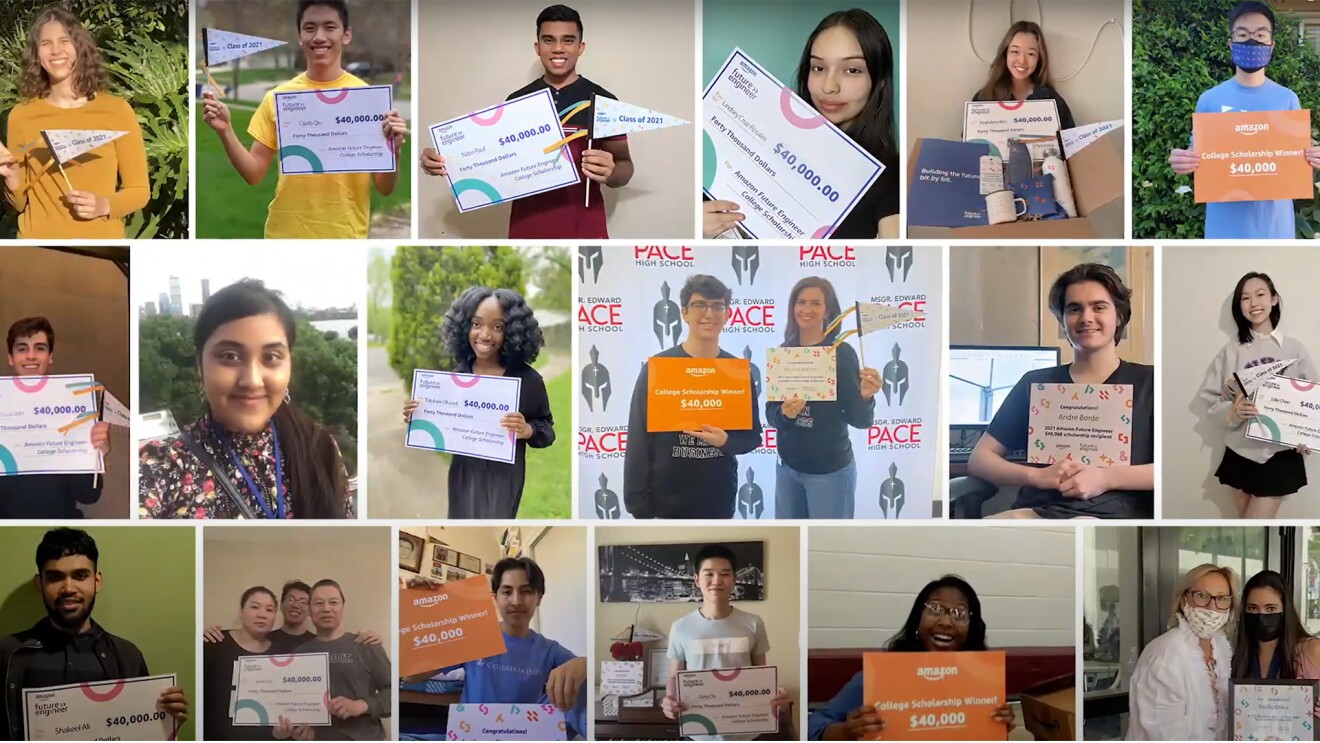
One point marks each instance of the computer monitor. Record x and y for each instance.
(980, 377)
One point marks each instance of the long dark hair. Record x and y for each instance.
(874, 127)
(522, 334)
(1235, 306)
(907, 641)
(317, 482)
(793, 336)
(89, 77)
(1294, 632)
(999, 85)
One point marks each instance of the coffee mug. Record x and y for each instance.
(1002, 206)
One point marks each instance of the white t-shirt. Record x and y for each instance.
(707, 644)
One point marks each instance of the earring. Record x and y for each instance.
(287, 396)
(201, 394)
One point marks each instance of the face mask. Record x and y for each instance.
(1251, 56)
(1204, 621)
(1263, 627)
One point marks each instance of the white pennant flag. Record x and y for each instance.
(66, 144)
(115, 412)
(1251, 378)
(873, 316)
(1077, 138)
(612, 118)
(226, 46)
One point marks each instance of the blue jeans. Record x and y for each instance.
(802, 496)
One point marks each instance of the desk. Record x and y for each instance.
(650, 723)
(407, 696)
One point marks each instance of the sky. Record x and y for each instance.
(314, 276)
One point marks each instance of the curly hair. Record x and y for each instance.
(89, 76)
(522, 334)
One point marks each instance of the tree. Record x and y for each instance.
(378, 293)
(425, 281)
(1179, 50)
(553, 272)
(167, 368)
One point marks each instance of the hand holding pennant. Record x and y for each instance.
(871, 316)
(219, 47)
(67, 144)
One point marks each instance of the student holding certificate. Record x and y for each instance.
(1272, 642)
(1093, 308)
(254, 454)
(1021, 71)
(324, 205)
(1261, 474)
(945, 617)
(493, 332)
(253, 637)
(817, 474)
(360, 679)
(63, 86)
(847, 74)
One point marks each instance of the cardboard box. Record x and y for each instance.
(1097, 173)
(1049, 709)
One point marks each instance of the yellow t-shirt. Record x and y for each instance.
(324, 206)
(116, 170)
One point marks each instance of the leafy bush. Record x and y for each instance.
(1179, 50)
(143, 46)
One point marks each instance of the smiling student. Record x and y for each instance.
(1021, 71)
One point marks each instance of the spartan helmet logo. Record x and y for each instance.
(756, 371)
(590, 259)
(894, 380)
(892, 493)
(665, 319)
(595, 382)
(746, 260)
(607, 501)
(751, 501)
(898, 259)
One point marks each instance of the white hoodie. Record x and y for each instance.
(1170, 695)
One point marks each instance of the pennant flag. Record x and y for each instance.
(637, 635)
(1251, 378)
(66, 144)
(611, 118)
(1077, 138)
(115, 412)
(226, 46)
(872, 316)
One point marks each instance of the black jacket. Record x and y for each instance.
(47, 496)
(119, 658)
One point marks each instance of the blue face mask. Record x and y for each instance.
(1251, 56)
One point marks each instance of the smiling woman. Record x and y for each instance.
(253, 455)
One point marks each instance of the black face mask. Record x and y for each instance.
(1263, 627)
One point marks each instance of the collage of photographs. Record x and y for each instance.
(380, 322)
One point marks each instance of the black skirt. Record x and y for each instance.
(1284, 473)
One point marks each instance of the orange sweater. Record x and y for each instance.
(116, 170)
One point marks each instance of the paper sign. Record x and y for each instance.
(461, 413)
(67, 144)
(1288, 412)
(119, 709)
(1256, 156)
(506, 722)
(733, 701)
(873, 316)
(226, 46)
(685, 393)
(447, 626)
(45, 428)
(115, 412)
(268, 687)
(334, 131)
(995, 122)
(1274, 709)
(611, 118)
(622, 677)
(1251, 378)
(1088, 423)
(1076, 139)
(806, 372)
(936, 696)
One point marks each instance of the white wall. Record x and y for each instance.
(862, 581)
(944, 73)
(1197, 285)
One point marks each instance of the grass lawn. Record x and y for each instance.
(227, 207)
(547, 493)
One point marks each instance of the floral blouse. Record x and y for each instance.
(173, 484)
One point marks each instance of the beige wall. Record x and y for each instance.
(944, 73)
(86, 301)
(641, 52)
(780, 610)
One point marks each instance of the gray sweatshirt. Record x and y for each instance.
(356, 672)
(1235, 357)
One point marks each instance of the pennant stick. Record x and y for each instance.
(60, 165)
(587, 203)
(861, 351)
(591, 131)
(206, 65)
(100, 411)
(219, 91)
(835, 323)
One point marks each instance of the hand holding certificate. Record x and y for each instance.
(295, 687)
(121, 709)
(448, 626)
(805, 372)
(1273, 709)
(1288, 412)
(936, 696)
(461, 413)
(1257, 156)
(1088, 423)
(45, 425)
(684, 394)
(728, 702)
(334, 131)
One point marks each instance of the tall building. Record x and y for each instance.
(194, 310)
(176, 296)
(149, 309)
(206, 290)
(164, 303)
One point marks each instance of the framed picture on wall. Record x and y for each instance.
(657, 664)
(442, 554)
(469, 563)
(1132, 264)
(453, 574)
(665, 574)
(412, 549)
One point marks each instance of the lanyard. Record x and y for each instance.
(258, 494)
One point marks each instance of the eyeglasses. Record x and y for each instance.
(1201, 599)
(718, 308)
(1263, 36)
(295, 602)
(958, 614)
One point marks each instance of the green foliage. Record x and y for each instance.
(546, 493)
(324, 383)
(1180, 50)
(143, 48)
(552, 271)
(424, 283)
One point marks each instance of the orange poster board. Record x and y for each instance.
(936, 696)
(684, 393)
(446, 626)
(1256, 156)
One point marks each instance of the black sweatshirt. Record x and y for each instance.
(816, 441)
(671, 475)
(47, 496)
